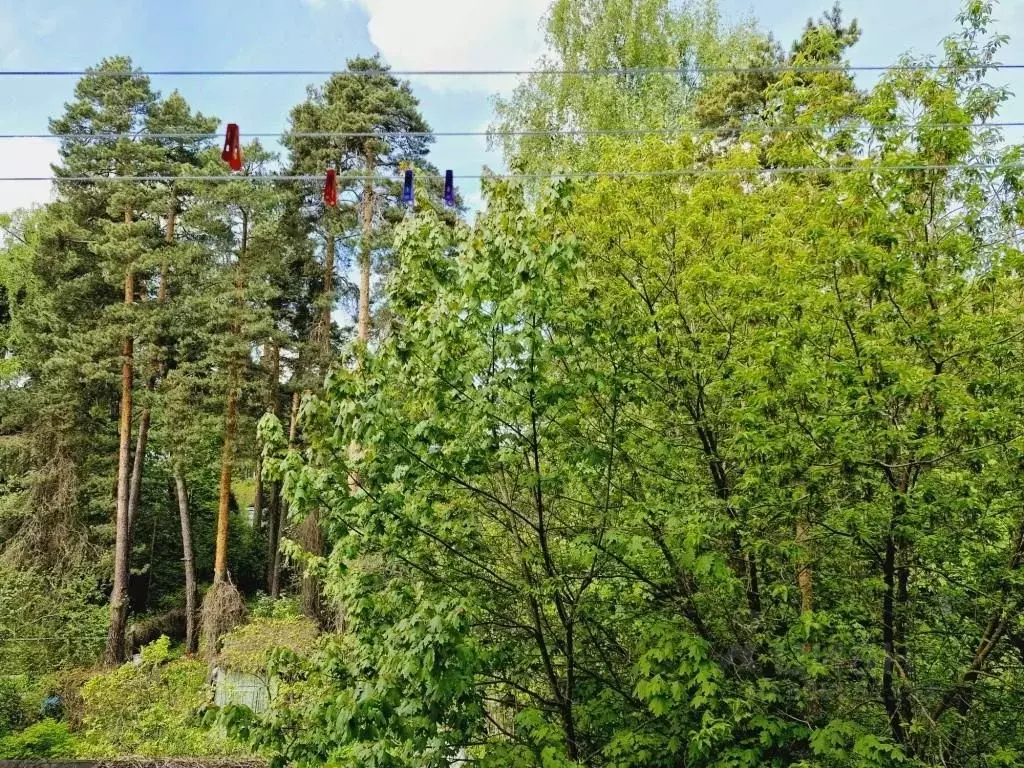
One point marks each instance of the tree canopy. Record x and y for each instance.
(711, 464)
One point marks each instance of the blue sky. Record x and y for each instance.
(322, 34)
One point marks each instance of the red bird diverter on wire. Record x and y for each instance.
(232, 154)
(331, 188)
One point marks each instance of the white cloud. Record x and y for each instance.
(456, 35)
(25, 157)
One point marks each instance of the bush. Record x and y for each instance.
(249, 649)
(150, 709)
(266, 607)
(12, 709)
(46, 739)
(49, 621)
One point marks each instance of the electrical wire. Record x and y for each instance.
(569, 132)
(75, 638)
(728, 171)
(587, 72)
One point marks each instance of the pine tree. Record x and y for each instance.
(376, 106)
(112, 102)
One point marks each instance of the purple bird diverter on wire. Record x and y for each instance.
(407, 189)
(449, 189)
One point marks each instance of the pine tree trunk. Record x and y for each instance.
(366, 250)
(145, 418)
(274, 542)
(274, 510)
(115, 650)
(312, 541)
(220, 568)
(293, 434)
(191, 588)
(135, 489)
(309, 535)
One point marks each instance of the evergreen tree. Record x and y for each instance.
(373, 104)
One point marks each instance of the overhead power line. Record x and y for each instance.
(568, 132)
(583, 72)
(624, 174)
(52, 639)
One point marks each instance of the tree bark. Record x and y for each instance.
(366, 250)
(274, 510)
(293, 434)
(115, 650)
(274, 542)
(135, 490)
(220, 568)
(191, 588)
(145, 417)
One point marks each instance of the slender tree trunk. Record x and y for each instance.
(191, 588)
(115, 650)
(293, 434)
(309, 533)
(274, 542)
(135, 490)
(145, 417)
(366, 250)
(257, 499)
(220, 568)
(274, 510)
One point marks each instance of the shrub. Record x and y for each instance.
(151, 709)
(50, 621)
(12, 710)
(267, 607)
(249, 648)
(46, 739)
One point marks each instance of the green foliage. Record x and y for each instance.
(267, 607)
(251, 647)
(48, 621)
(719, 470)
(151, 708)
(12, 709)
(712, 471)
(45, 740)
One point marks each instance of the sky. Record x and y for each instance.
(322, 34)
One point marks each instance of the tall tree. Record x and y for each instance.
(383, 128)
(376, 127)
(111, 103)
(242, 225)
(616, 421)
